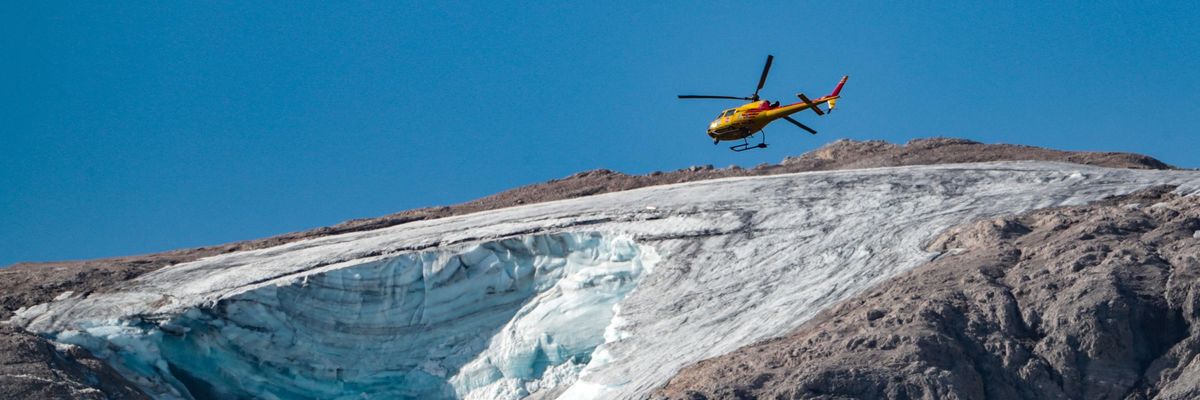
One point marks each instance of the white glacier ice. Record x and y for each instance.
(489, 319)
(593, 298)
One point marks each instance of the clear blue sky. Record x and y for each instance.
(147, 126)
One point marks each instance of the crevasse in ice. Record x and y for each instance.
(494, 320)
(504, 302)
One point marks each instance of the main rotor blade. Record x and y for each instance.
(762, 80)
(690, 96)
(802, 126)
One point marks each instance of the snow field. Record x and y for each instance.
(550, 298)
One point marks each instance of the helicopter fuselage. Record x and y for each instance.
(750, 118)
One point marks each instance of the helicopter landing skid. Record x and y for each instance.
(745, 145)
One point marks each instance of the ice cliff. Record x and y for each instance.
(599, 297)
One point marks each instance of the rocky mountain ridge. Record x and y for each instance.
(74, 373)
(1099, 301)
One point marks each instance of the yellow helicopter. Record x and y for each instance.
(748, 119)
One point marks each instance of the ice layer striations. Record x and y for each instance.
(494, 320)
(518, 302)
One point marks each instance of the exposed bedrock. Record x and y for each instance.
(32, 367)
(1089, 302)
(739, 261)
(495, 320)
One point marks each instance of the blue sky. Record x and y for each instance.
(146, 126)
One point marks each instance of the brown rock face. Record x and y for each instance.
(31, 368)
(36, 370)
(1090, 302)
(844, 154)
(841, 154)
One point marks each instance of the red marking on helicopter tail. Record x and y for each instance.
(838, 89)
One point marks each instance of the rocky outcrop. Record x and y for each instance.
(34, 368)
(1091, 302)
(32, 362)
(877, 153)
(841, 154)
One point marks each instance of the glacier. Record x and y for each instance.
(417, 325)
(591, 298)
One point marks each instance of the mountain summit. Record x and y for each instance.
(837, 273)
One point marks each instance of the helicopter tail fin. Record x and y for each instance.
(833, 102)
(838, 89)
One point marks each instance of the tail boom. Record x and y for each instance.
(806, 103)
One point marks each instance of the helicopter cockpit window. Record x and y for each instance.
(725, 114)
